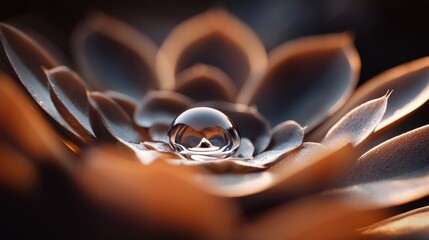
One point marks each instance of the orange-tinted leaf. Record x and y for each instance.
(307, 80)
(314, 171)
(25, 127)
(68, 92)
(225, 166)
(311, 218)
(317, 170)
(214, 38)
(28, 62)
(160, 195)
(394, 172)
(16, 171)
(402, 225)
(298, 157)
(113, 55)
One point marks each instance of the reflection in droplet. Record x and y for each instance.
(204, 134)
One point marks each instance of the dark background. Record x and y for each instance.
(387, 33)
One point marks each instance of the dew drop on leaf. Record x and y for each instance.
(204, 134)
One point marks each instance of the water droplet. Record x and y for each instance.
(204, 134)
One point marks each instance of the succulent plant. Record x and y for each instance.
(317, 159)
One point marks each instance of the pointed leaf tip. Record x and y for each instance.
(410, 83)
(360, 122)
(286, 134)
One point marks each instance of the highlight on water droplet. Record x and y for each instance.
(204, 134)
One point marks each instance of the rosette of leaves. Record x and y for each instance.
(318, 158)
